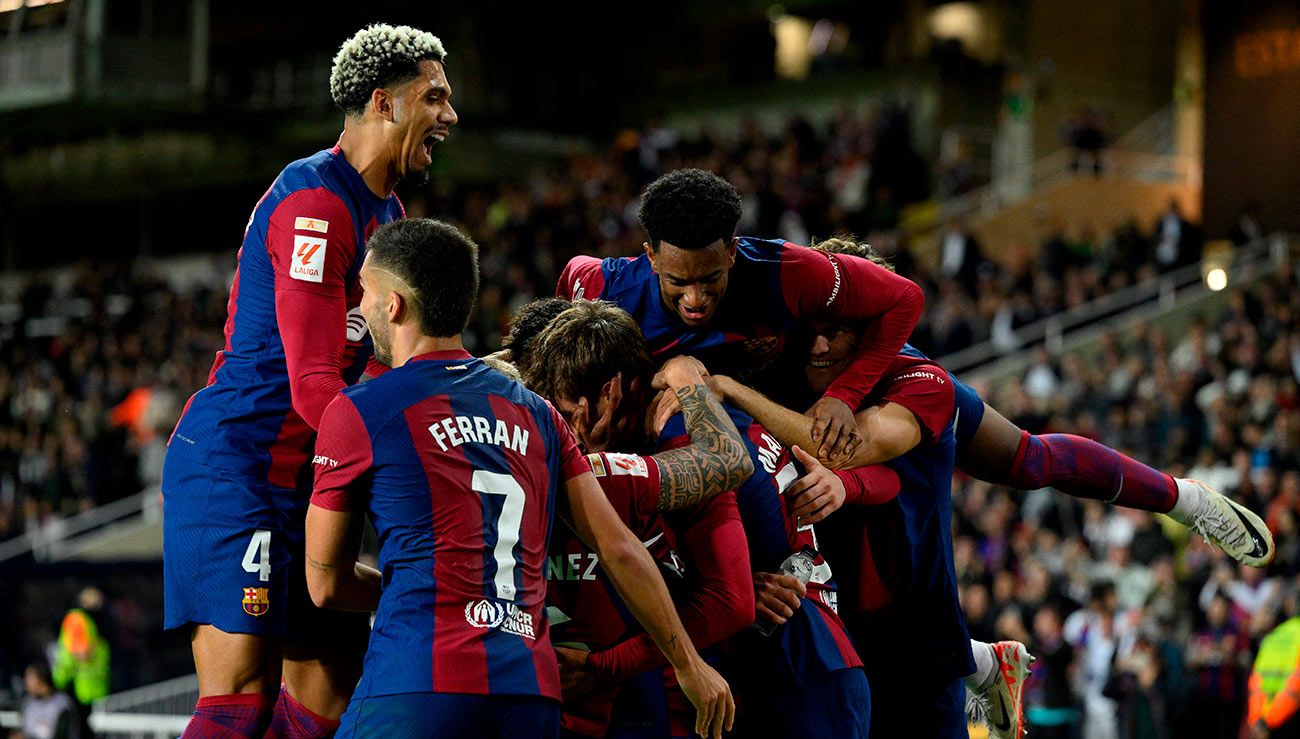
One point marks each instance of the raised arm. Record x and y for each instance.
(851, 290)
(716, 460)
(636, 578)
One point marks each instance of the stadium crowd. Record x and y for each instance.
(1141, 632)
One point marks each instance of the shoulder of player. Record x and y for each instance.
(766, 251)
(621, 271)
(907, 368)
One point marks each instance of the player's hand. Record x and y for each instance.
(817, 494)
(718, 386)
(680, 371)
(664, 406)
(777, 596)
(834, 429)
(715, 709)
(577, 676)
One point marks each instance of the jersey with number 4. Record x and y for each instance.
(294, 332)
(459, 468)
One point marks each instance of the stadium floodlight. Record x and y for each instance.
(1216, 279)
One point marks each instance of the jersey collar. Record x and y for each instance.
(443, 356)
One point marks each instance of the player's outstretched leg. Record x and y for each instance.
(1000, 452)
(1222, 520)
(995, 692)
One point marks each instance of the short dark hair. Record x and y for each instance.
(582, 348)
(438, 262)
(529, 321)
(690, 209)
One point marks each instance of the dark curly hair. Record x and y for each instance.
(529, 321)
(690, 209)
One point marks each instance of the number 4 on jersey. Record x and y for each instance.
(257, 558)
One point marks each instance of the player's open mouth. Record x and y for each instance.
(822, 363)
(695, 314)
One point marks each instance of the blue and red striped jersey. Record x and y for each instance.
(701, 554)
(459, 468)
(294, 332)
(772, 288)
(814, 640)
(905, 591)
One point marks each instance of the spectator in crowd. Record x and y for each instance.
(1085, 134)
(1218, 658)
(81, 654)
(1274, 704)
(960, 258)
(47, 713)
(1247, 227)
(1178, 242)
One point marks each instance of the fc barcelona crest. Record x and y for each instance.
(256, 601)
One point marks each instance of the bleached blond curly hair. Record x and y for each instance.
(379, 55)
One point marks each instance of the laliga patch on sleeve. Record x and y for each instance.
(308, 259)
(597, 465)
(311, 224)
(627, 464)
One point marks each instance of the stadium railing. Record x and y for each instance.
(1166, 294)
(1144, 153)
(56, 539)
(150, 712)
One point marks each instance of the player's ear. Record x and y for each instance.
(731, 251)
(581, 420)
(382, 103)
(650, 252)
(612, 391)
(395, 307)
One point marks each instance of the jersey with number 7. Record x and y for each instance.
(458, 468)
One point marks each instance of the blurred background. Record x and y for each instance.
(1098, 201)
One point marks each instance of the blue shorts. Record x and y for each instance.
(906, 705)
(450, 716)
(233, 555)
(832, 704)
(970, 413)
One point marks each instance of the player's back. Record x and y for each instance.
(305, 236)
(466, 465)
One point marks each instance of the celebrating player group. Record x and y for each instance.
(624, 524)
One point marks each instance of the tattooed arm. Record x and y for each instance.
(716, 460)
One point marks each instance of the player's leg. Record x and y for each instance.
(323, 652)
(320, 674)
(238, 678)
(1001, 452)
(223, 576)
(995, 692)
(993, 449)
